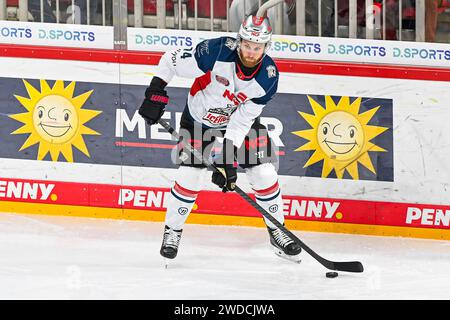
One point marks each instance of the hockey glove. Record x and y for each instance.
(226, 176)
(155, 101)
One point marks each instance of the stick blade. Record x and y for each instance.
(352, 266)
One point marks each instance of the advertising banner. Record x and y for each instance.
(296, 208)
(283, 46)
(60, 35)
(307, 48)
(314, 135)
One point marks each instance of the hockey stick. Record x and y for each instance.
(351, 266)
(269, 4)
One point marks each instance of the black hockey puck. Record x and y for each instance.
(331, 274)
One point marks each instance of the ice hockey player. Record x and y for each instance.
(234, 80)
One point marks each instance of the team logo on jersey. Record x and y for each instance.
(223, 80)
(271, 71)
(230, 43)
(219, 116)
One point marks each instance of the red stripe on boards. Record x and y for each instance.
(284, 65)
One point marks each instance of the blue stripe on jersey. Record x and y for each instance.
(268, 96)
(206, 53)
(209, 51)
(267, 78)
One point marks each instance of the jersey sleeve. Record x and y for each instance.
(189, 62)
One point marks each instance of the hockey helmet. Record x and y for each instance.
(255, 29)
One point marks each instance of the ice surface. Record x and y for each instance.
(48, 257)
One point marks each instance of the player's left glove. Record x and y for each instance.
(226, 176)
(155, 101)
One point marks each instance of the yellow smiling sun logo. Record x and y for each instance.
(55, 119)
(340, 136)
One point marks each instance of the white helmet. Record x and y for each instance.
(255, 29)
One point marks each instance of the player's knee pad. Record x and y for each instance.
(262, 176)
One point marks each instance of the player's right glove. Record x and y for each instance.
(226, 176)
(155, 101)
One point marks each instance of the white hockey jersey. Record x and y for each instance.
(220, 97)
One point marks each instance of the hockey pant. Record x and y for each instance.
(263, 179)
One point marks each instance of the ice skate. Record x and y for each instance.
(284, 246)
(171, 241)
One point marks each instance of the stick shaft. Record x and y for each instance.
(269, 4)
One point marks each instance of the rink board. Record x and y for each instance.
(112, 165)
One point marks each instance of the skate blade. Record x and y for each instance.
(281, 254)
(166, 263)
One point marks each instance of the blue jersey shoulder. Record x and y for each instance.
(209, 51)
(267, 78)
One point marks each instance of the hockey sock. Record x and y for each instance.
(270, 199)
(183, 194)
(179, 206)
